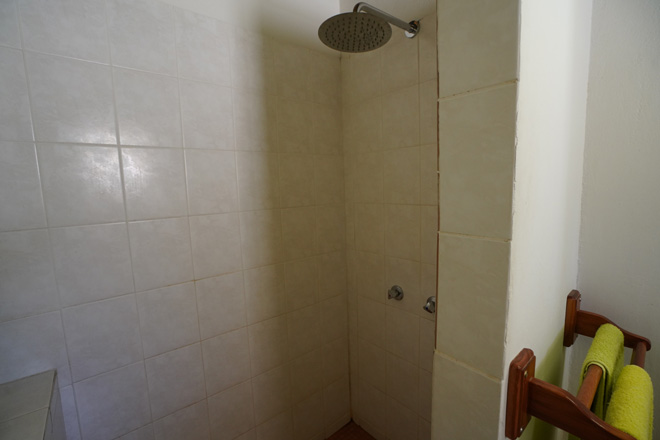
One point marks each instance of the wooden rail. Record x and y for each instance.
(529, 397)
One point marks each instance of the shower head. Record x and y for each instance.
(366, 28)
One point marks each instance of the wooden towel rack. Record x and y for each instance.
(528, 396)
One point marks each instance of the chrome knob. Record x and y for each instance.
(430, 304)
(395, 292)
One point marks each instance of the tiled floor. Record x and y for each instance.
(351, 432)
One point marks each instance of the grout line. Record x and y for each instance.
(483, 89)
(475, 237)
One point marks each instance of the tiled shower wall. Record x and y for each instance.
(172, 222)
(390, 147)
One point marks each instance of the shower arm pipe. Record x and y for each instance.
(411, 28)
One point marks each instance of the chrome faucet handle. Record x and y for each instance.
(395, 292)
(430, 304)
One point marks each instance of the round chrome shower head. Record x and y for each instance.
(355, 32)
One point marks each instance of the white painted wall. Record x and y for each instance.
(291, 21)
(554, 55)
(619, 271)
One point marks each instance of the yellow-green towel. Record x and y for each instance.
(631, 406)
(606, 351)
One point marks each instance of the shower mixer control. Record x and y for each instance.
(395, 292)
(430, 304)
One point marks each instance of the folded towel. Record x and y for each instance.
(606, 351)
(631, 406)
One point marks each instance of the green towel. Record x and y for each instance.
(606, 351)
(631, 406)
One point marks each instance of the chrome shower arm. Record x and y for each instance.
(411, 28)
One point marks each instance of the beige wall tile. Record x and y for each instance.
(472, 287)
(428, 112)
(401, 176)
(261, 238)
(272, 393)
(399, 61)
(264, 292)
(372, 365)
(428, 50)
(477, 147)
(371, 282)
(403, 382)
(369, 228)
(461, 396)
(301, 283)
(401, 118)
(428, 174)
(296, 174)
(269, 344)
(231, 412)
(402, 231)
(483, 54)
(258, 181)
(403, 334)
(368, 178)
(405, 274)
(308, 418)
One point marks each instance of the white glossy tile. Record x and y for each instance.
(70, 413)
(176, 380)
(216, 244)
(299, 234)
(296, 178)
(212, 184)
(301, 283)
(428, 49)
(479, 269)
(71, 100)
(308, 418)
(325, 78)
(402, 231)
(401, 177)
(337, 406)
(9, 32)
(371, 322)
(269, 344)
(279, 427)
(148, 109)
(15, 118)
(202, 46)
(304, 331)
(102, 336)
(428, 112)
(272, 393)
(258, 181)
(372, 365)
(461, 396)
(329, 179)
(168, 318)
(160, 251)
(326, 135)
(28, 280)
(191, 423)
(91, 262)
(255, 121)
(294, 124)
(307, 375)
(370, 279)
(261, 236)
(334, 318)
(332, 275)
(141, 35)
(113, 404)
(429, 174)
(368, 178)
(401, 118)
(143, 433)
(252, 62)
(335, 360)
(477, 151)
(82, 184)
(426, 344)
(400, 66)
(33, 345)
(403, 382)
(402, 423)
(292, 65)
(73, 28)
(331, 228)
(265, 292)
(231, 412)
(403, 334)
(207, 113)
(20, 188)
(220, 304)
(226, 360)
(482, 53)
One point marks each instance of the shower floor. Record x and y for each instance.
(351, 432)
